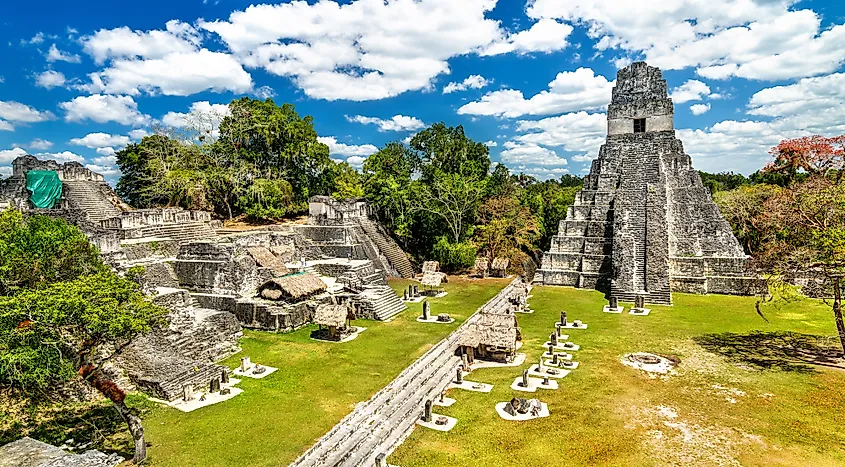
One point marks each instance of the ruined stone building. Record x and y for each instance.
(644, 224)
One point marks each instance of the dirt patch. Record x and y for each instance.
(674, 438)
(656, 366)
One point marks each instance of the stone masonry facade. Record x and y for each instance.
(644, 224)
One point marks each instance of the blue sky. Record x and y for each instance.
(530, 78)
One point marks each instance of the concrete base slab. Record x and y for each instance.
(414, 300)
(608, 309)
(570, 325)
(547, 371)
(517, 361)
(533, 384)
(471, 386)
(639, 311)
(434, 320)
(566, 364)
(560, 356)
(441, 294)
(249, 372)
(446, 402)
(450, 423)
(526, 311)
(500, 409)
(563, 337)
(210, 399)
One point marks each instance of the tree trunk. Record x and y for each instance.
(837, 311)
(136, 428)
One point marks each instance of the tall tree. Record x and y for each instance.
(814, 155)
(447, 149)
(451, 197)
(505, 228)
(387, 181)
(50, 335)
(743, 207)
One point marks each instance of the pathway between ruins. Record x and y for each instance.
(380, 424)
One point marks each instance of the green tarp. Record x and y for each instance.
(45, 186)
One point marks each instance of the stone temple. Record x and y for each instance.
(644, 224)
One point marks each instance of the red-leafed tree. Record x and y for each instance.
(814, 155)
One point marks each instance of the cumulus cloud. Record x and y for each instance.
(491, 144)
(546, 35)
(8, 155)
(12, 112)
(106, 171)
(39, 143)
(341, 149)
(570, 91)
(138, 133)
(396, 123)
(56, 55)
(50, 79)
(752, 39)
(471, 82)
(169, 62)
(64, 156)
(698, 109)
(530, 154)
(104, 108)
(579, 132)
(101, 140)
(692, 90)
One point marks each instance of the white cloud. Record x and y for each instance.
(202, 117)
(8, 155)
(543, 173)
(39, 143)
(12, 112)
(692, 90)
(124, 43)
(105, 160)
(362, 50)
(101, 140)
(5, 171)
(104, 108)
(105, 171)
(138, 134)
(341, 149)
(491, 144)
(570, 91)
(808, 94)
(579, 132)
(106, 152)
(698, 109)
(396, 123)
(546, 35)
(175, 74)
(50, 79)
(530, 154)
(38, 38)
(64, 156)
(584, 157)
(471, 82)
(753, 39)
(56, 55)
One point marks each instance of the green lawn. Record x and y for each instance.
(738, 397)
(318, 383)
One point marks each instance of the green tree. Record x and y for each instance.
(387, 184)
(51, 334)
(506, 228)
(347, 182)
(742, 207)
(548, 202)
(38, 250)
(451, 197)
(448, 150)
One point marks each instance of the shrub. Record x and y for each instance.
(454, 257)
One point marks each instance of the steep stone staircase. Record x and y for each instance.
(88, 197)
(386, 246)
(380, 302)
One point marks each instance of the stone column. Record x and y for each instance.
(639, 301)
(214, 386)
(614, 302)
(465, 360)
(552, 350)
(540, 364)
(562, 318)
(557, 329)
(188, 392)
(246, 364)
(545, 380)
(553, 338)
(224, 377)
(555, 360)
(460, 378)
(427, 411)
(405, 295)
(381, 460)
(524, 381)
(416, 291)
(426, 308)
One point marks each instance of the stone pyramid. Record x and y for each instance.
(644, 224)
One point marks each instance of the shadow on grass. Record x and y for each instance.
(785, 351)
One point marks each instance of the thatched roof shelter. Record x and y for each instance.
(331, 315)
(501, 263)
(294, 287)
(432, 279)
(430, 266)
(266, 259)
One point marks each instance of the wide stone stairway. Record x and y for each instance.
(380, 425)
(380, 301)
(86, 195)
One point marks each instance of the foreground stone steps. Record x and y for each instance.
(88, 197)
(379, 425)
